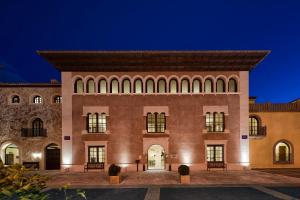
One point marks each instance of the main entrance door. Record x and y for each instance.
(52, 153)
(156, 157)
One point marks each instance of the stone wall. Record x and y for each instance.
(14, 117)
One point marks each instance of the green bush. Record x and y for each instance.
(114, 170)
(183, 170)
(16, 182)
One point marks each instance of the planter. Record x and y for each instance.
(114, 179)
(185, 179)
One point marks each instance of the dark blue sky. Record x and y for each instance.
(27, 26)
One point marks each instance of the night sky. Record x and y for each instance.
(27, 26)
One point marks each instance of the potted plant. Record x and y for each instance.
(184, 172)
(113, 172)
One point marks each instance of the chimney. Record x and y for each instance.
(53, 81)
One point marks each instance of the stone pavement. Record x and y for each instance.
(165, 178)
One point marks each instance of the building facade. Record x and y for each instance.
(158, 108)
(30, 128)
(274, 135)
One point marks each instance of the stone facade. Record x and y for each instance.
(18, 116)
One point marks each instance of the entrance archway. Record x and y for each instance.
(11, 154)
(52, 157)
(156, 157)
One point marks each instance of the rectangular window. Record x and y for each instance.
(215, 153)
(92, 123)
(209, 122)
(219, 122)
(156, 122)
(96, 154)
(102, 123)
(215, 122)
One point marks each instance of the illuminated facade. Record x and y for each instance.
(159, 108)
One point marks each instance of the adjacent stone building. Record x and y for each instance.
(30, 124)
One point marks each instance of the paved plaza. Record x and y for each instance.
(148, 178)
(164, 185)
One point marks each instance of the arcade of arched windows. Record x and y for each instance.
(152, 85)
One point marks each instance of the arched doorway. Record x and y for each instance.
(11, 154)
(52, 157)
(156, 157)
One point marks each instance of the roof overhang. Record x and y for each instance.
(109, 61)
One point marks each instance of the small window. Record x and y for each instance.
(150, 86)
(138, 86)
(162, 86)
(57, 99)
(37, 100)
(232, 85)
(102, 86)
(220, 86)
(196, 86)
(15, 99)
(173, 86)
(185, 86)
(114, 87)
(90, 87)
(208, 86)
(78, 86)
(126, 86)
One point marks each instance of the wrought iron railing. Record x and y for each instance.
(29, 132)
(261, 131)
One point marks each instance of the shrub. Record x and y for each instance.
(114, 170)
(17, 183)
(183, 170)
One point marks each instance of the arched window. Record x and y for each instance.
(15, 99)
(114, 86)
(57, 99)
(161, 86)
(37, 99)
(283, 152)
(232, 85)
(37, 127)
(78, 86)
(185, 86)
(173, 86)
(102, 87)
(126, 86)
(197, 86)
(253, 126)
(138, 86)
(220, 85)
(208, 86)
(150, 86)
(90, 87)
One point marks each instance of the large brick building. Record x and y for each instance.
(159, 107)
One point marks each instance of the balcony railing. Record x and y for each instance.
(261, 131)
(29, 132)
